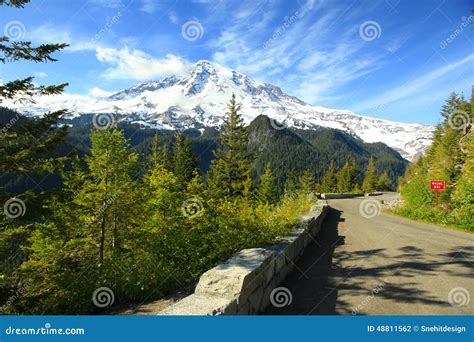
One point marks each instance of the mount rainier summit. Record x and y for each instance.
(200, 99)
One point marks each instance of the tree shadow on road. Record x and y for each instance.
(319, 278)
(310, 283)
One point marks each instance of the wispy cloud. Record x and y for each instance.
(298, 50)
(149, 6)
(138, 65)
(98, 92)
(54, 34)
(414, 86)
(40, 74)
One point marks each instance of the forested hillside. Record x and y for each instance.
(450, 158)
(286, 150)
(140, 225)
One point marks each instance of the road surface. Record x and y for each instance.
(385, 265)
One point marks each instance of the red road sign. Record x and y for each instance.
(437, 185)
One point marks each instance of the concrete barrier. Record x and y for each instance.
(242, 285)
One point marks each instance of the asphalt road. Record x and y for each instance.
(383, 265)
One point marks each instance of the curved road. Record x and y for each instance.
(384, 265)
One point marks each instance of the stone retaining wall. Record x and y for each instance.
(242, 284)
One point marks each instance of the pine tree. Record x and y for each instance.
(449, 158)
(229, 174)
(451, 105)
(329, 181)
(184, 161)
(347, 177)
(291, 184)
(384, 183)
(267, 190)
(23, 148)
(26, 149)
(307, 182)
(463, 196)
(158, 154)
(370, 179)
(109, 193)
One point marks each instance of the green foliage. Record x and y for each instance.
(314, 149)
(184, 161)
(307, 182)
(267, 191)
(291, 184)
(384, 183)
(26, 151)
(449, 158)
(230, 171)
(347, 177)
(370, 180)
(329, 181)
(159, 154)
(140, 233)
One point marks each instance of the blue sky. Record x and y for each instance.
(393, 59)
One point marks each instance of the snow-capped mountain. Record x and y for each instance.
(200, 99)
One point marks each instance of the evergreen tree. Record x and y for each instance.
(89, 230)
(347, 177)
(267, 191)
(307, 182)
(184, 161)
(26, 149)
(159, 154)
(291, 184)
(463, 196)
(449, 158)
(451, 105)
(229, 175)
(384, 183)
(23, 148)
(370, 178)
(329, 181)
(109, 193)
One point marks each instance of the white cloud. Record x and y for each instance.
(97, 92)
(138, 65)
(415, 86)
(173, 18)
(297, 50)
(149, 6)
(108, 3)
(49, 33)
(40, 74)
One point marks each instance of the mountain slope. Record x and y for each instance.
(199, 100)
(299, 150)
